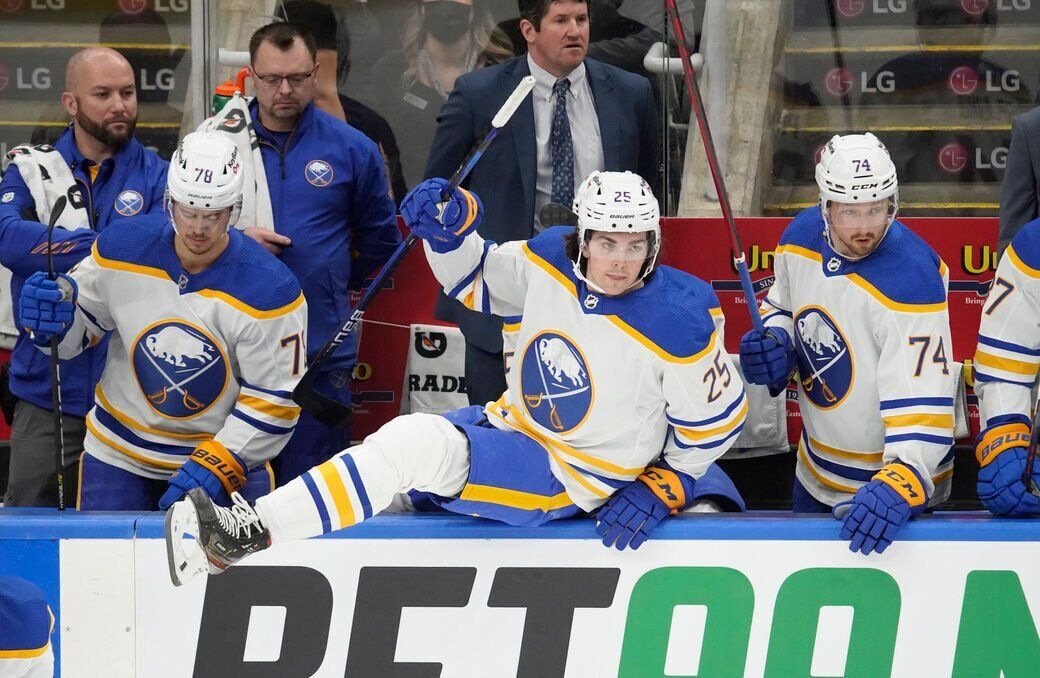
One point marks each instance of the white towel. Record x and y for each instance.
(433, 376)
(47, 176)
(234, 121)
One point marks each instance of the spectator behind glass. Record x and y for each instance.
(441, 40)
(334, 57)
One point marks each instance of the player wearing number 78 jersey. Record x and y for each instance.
(859, 309)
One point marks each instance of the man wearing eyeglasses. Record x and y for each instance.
(334, 220)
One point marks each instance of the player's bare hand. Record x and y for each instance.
(268, 239)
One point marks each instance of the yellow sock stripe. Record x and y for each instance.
(695, 434)
(338, 492)
(1006, 364)
(518, 499)
(665, 484)
(285, 412)
(904, 481)
(930, 420)
(218, 460)
(1000, 438)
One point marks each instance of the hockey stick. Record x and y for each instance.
(555, 214)
(694, 91)
(1034, 438)
(59, 433)
(332, 412)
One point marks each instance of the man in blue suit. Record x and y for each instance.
(582, 116)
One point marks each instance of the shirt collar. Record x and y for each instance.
(544, 80)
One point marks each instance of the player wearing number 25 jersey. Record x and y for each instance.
(859, 309)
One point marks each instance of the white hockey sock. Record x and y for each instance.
(418, 451)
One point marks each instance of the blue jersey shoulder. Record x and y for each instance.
(550, 246)
(1026, 244)
(134, 240)
(904, 268)
(257, 278)
(674, 311)
(25, 623)
(805, 230)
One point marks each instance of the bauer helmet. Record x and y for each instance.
(617, 202)
(856, 169)
(205, 173)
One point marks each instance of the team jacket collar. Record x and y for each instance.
(302, 125)
(66, 146)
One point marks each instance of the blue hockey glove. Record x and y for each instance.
(875, 513)
(446, 230)
(47, 307)
(212, 467)
(768, 359)
(631, 514)
(1002, 452)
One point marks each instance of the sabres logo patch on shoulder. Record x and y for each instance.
(181, 369)
(318, 173)
(825, 365)
(128, 203)
(556, 384)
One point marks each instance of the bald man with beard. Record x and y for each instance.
(112, 177)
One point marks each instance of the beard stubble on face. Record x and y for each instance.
(103, 132)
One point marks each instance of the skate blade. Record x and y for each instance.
(184, 556)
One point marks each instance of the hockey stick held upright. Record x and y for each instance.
(59, 433)
(331, 412)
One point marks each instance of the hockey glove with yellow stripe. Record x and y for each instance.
(214, 468)
(1001, 452)
(444, 225)
(875, 513)
(634, 511)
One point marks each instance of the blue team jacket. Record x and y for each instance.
(129, 184)
(330, 195)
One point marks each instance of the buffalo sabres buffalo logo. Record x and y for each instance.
(128, 203)
(318, 173)
(555, 381)
(180, 368)
(825, 364)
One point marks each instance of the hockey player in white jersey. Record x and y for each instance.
(1005, 366)
(859, 309)
(207, 343)
(620, 399)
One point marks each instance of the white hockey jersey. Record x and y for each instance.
(875, 372)
(212, 355)
(603, 384)
(1008, 354)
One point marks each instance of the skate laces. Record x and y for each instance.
(240, 519)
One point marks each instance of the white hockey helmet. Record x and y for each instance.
(206, 173)
(856, 168)
(617, 202)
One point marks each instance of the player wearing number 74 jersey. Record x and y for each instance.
(859, 309)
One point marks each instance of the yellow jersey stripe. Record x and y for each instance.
(124, 266)
(861, 282)
(932, 420)
(642, 339)
(695, 434)
(800, 252)
(128, 452)
(249, 310)
(24, 654)
(515, 498)
(338, 492)
(550, 269)
(129, 422)
(944, 270)
(510, 327)
(845, 454)
(595, 462)
(826, 482)
(286, 412)
(1005, 364)
(1019, 264)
